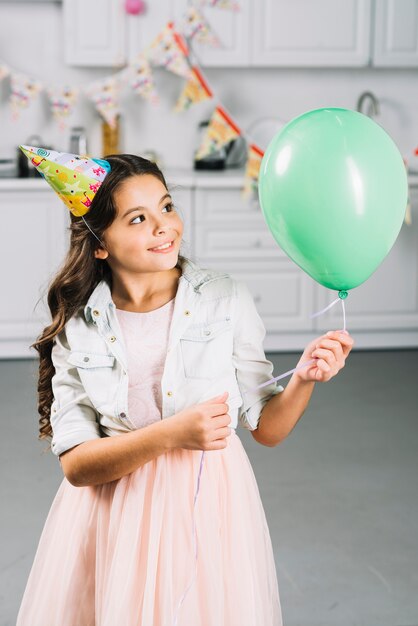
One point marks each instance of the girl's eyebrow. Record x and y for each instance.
(167, 195)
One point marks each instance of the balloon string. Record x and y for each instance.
(203, 452)
(331, 305)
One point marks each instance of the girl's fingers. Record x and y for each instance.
(344, 339)
(325, 356)
(334, 346)
(323, 365)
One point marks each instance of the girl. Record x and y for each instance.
(136, 369)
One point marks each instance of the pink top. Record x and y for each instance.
(146, 339)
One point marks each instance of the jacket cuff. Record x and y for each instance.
(61, 444)
(251, 417)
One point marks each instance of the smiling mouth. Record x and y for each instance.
(163, 247)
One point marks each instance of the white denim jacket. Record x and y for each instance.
(215, 344)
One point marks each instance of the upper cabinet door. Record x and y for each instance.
(324, 33)
(94, 33)
(144, 28)
(233, 29)
(396, 33)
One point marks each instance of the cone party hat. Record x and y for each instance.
(74, 178)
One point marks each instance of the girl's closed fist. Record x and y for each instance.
(203, 426)
(331, 351)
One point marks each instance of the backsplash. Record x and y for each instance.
(249, 94)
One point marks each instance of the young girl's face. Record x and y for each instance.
(146, 218)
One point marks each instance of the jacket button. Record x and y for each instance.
(86, 358)
(169, 393)
(207, 332)
(122, 414)
(112, 338)
(96, 312)
(186, 312)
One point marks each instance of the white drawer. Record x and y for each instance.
(282, 292)
(223, 205)
(233, 241)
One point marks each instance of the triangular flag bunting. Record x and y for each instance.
(195, 90)
(220, 131)
(194, 26)
(170, 50)
(141, 79)
(105, 95)
(24, 89)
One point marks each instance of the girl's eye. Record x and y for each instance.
(170, 206)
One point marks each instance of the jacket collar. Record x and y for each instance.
(197, 277)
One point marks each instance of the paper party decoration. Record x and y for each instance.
(24, 89)
(220, 131)
(195, 90)
(194, 25)
(169, 50)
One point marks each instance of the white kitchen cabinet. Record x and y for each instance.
(270, 33)
(386, 304)
(182, 196)
(324, 33)
(95, 33)
(221, 231)
(231, 234)
(232, 28)
(396, 33)
(35, 238)
(33, 244)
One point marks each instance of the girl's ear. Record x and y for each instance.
(100, 253)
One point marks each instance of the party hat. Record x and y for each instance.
(75, 178)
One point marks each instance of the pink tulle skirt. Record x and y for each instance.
(123, 553)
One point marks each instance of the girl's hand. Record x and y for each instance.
(331, 351)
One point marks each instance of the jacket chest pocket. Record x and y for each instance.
(96, 373)
(207, 349)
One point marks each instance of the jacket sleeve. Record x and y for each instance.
(250, 362)
(73, 417)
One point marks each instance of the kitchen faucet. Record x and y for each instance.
(373, 108)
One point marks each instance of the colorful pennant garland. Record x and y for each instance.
(220, 131)
(194, 26)
(169, 50)
(23, 90)
(62, 101)
(141, 79)
(195, 90)
(105, 95)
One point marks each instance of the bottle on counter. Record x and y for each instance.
(111, 137)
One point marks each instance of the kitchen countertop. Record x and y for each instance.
(185, 177)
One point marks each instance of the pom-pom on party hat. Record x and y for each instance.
(75, 178)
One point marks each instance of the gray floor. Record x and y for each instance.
(340, 493)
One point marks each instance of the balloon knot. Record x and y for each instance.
(342, 294)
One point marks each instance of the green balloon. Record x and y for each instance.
(333, 190)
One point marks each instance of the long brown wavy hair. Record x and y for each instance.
(81, 271)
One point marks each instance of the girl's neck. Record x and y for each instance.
(142, 303)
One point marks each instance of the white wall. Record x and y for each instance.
(31, 42)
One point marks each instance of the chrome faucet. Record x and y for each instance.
(373, 108)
